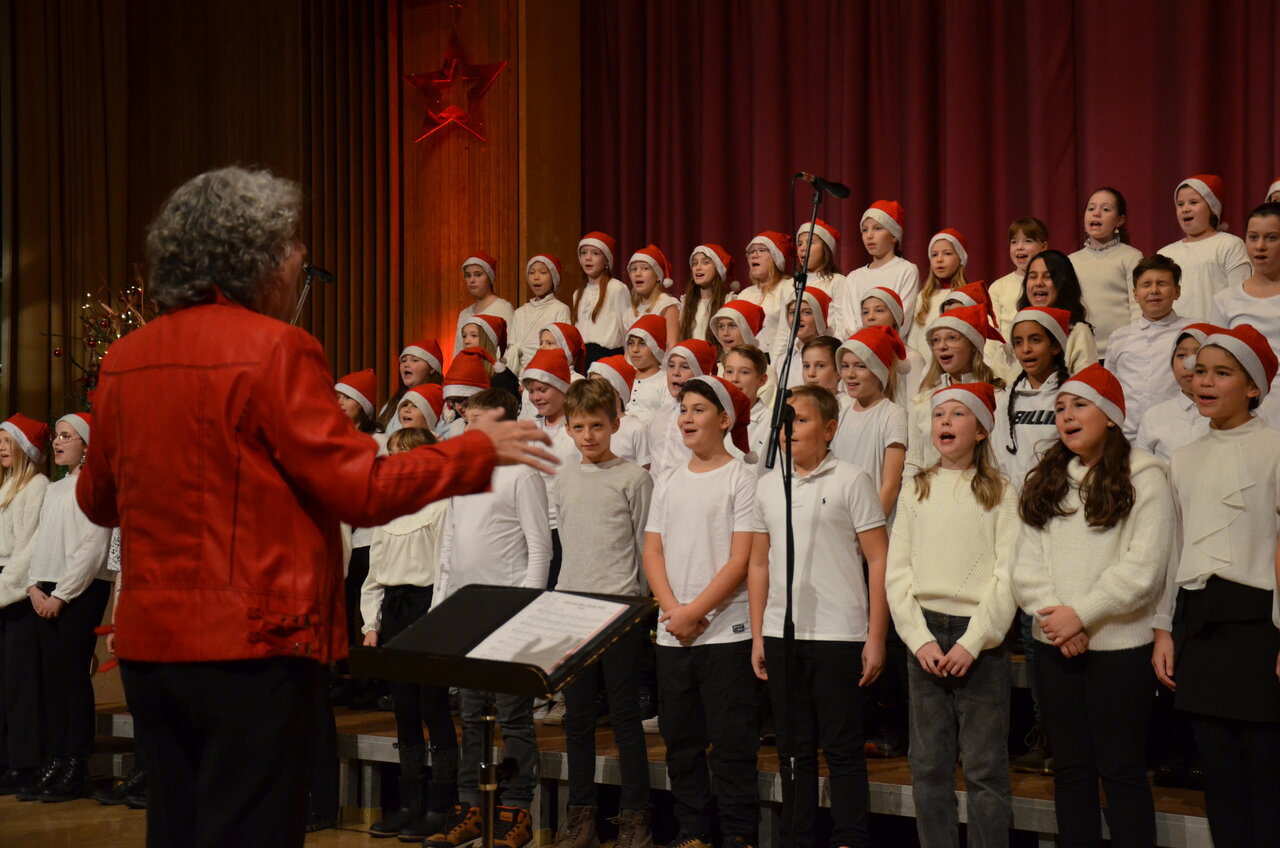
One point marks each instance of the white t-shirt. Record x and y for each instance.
(667, 449)
(609, 329)
(1208, 267)
(565, 450)
(697, 514)
(499, 308)
(834, 285)
(831, 506)
(664, 302)
(862, 436)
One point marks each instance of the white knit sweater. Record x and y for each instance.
(1112, 577)
(18, 524)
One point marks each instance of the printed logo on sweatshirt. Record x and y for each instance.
(1034, 416)
(739, 628)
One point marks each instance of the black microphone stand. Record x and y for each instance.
(781, 424)
(309, 272)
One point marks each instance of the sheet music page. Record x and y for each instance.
(548, 630)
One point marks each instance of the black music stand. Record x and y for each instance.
(435, 650)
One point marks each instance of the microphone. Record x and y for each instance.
(318, 273)
(838, 190)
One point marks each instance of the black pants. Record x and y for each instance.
(1096, 708)
(416, 703)
(821, 707)
(1241, 763)
(357, 571)
(228, 749)
(557, 556)
(618, 668)
(596, 352)
(323, 789)
(67, 643)
(19, 686)
(707, 696)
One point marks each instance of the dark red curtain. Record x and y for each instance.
(695, 115)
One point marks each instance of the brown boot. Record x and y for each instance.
(633, 829)
(578, 830)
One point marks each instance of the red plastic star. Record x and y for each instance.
(434, 85)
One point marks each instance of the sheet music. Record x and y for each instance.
(549, 630)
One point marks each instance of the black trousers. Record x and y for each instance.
(67, 643)
(323, 788)
(20, 731)
(821, 707)
(707, 696)
(596, 352)
(416, 703)
(357, 571)
(228, 749)
(1241, 763)
(1096, 708)
(618, 669)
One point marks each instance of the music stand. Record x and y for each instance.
(524, 653)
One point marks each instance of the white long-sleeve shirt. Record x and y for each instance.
(609, 329)
(1112, 577)
(68, 549)
(404, 552)
(1140, 355)
(898, 275)
(1170, 425)
(1208, 267)
(1106, 280)
(1234, 306)
(526, 327)
(775, 313)
(499, 308)
(835, 285)
(497, 538)
(18, 523)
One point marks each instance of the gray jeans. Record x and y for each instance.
(968, 716)
(515, 719)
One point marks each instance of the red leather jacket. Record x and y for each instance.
(219, 451)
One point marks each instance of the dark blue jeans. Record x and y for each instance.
(968, 716)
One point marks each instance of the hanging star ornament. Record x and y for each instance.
(446, 103)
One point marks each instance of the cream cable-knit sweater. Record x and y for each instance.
(1112, 577)
(18, 524)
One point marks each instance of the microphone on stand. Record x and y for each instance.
(835, 189)
(310, 272)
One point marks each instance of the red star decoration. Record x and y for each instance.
(454, 68)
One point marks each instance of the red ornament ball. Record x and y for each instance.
(104, 323)
(57, 351)
(92, 342)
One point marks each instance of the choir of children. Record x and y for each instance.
(1129, 513)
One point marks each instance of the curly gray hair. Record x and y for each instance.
(226, 229)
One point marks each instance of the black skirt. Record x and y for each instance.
(1225, 652)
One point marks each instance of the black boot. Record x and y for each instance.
(442, 794)
(130, 785)
(71, 785)
(49, 772)
(16, 778)
(137, 797)
(412, 761)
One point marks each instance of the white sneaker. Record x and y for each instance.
(650, 725)
(554, 713)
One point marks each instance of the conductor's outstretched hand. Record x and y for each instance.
(517, 442)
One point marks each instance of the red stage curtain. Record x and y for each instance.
(695, 115)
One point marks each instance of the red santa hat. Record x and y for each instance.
(889, 214)
(820, 302)
(495, 327)
(618, 372)
(604, 242)
(969, 321)
(748, 316)
(880, 348)
(973, 294)
(1252, 350)
(652, 330)
(980, 398)
(720, 258)
(429, 399)
(778, 244)
(428, 350)
(568, 338)
(700, 355)
(78, 421)
(891, 299)
(550, 367)
(957, 240)
(830, 235)
(1101, 388)
(360, 386)
(1208, 186)
(28, 434)
(1271, 189)
(657, 260)
(553, 265)
(1198, 331)
(738, 408)
(1056, 321)
(485, 261)
(467, 375)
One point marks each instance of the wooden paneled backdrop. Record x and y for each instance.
(106, 106)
